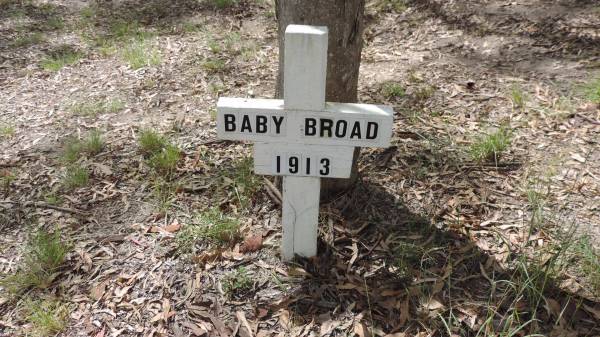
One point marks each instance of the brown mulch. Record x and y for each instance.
(425, 238)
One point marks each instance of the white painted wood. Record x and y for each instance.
(312, 160)
(304, 77)
(305, 67)
(300, 216)
(293, 125)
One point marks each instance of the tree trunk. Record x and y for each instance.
(344, 18)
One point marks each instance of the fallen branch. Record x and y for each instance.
(273, 192)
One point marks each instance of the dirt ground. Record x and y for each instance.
(429, 243)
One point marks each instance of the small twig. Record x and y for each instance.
(194, 188)
(48, 206)
(273, 192)
(587, 119)
(61, 209)
(213, 141)
(504, 166)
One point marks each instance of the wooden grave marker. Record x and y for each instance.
(302, 137)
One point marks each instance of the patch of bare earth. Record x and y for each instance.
(427, 244)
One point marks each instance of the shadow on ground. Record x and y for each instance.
(401, 274)
(550, 23)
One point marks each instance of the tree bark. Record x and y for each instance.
(345, 19)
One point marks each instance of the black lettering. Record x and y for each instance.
(278, 121)
(278, 164)
(293, 165)
(326, 125)
(246, 124)
(372, 130)
(310, 127)
(325, 167)
(261, 124)
(355, 131)
(307, 165)
(340, 128)
(229, 122)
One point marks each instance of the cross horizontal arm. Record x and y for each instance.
(265, 120)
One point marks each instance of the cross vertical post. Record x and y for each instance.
(305, 72)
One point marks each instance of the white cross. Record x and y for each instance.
(302, 137)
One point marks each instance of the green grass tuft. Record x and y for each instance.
(53, 198)
(423, 93)
(589, 259)
(241, 180)
(237, 283)
(72, 150)
(54, 23)
(151, 143)
(214, 46)
(47, 317)
(88, 13)
(213, 65)
(76, 176)
(212, 112)
(97, 106)
(6, 178)
(165, 161)
(408, 256)
(213, 226)
(491, 146)
(391, 90)
(163, 192)
(93, 144)
(61, 57)
(7, 131)
(24, 40)
(139, 54)
(592, 91)
(398, 6)
(537, 201)
(518, 97)
(45, 254)
(223, 3)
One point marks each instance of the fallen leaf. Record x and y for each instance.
(220, 326)
(98, 290)
(262, 312)
(327, 325)
(207, 257)
(120, 292)
(251, 244)
(284, 318)
(578, 157)
(195, 329)
(433, 304)
(404, 311)
(101, 332)
(361, 330)
(245, 329)
(553, 307)
(172, 228)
